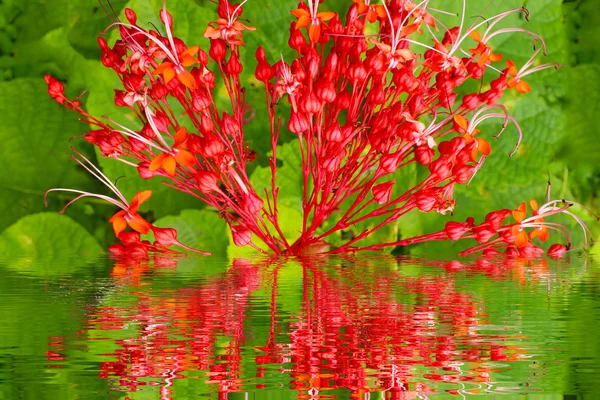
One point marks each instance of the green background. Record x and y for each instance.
(59, 38)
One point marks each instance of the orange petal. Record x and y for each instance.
(380, 11)
(212, 33)
(362, 7)
(184, 157)
(520, 213)
(192, 51)
(475, 36)
(180, 137)
(163, 67)
(314, 32)
(139, 198)
(408, 29)
(139, 224)
(523, 87)
(371, 15)
(169, 164)
(512, 68)
(187, 79)
(157, 162)
(299, 13)
(325, 15)
(483, 146)
(534, 205)
(188, 60)
(512, 83)
(118, 222)
(168, 74)
(468, 138)
(544, 234)
(303, 22)
(461, 121)
(496, 57)
(521, 240)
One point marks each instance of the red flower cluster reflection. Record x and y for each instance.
(363, 106)
(355, 331)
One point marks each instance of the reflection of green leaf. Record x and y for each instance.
(200, 229)
(46, 236)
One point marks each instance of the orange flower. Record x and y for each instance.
(515, 81)
(521, 239)
(130, 216)
(169, 70)
(484, 51)
(178, 155)
(481, 145)
(541, 232)
(373, 11)
(313, 22)
(230, 31)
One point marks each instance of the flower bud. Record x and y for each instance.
(557, 250)
(241, 236)
(299, 123)
(218, 49)
(207, 181)
(383, 192)
(233, 66)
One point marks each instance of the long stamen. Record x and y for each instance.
(99, 175)
(84, 194)
(149, 36)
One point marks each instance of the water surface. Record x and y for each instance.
(356, 327)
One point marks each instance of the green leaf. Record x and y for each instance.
(35, 152)
(46, 236)
(200, 229)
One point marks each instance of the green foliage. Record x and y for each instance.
(46, 236)
(200, 229)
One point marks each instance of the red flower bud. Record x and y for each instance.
(207, 181)
(159, 91)
(229, 125)
(424, 154)
(425, 201)
(383, 192)
(298, 123)
(241, 236)
(471, 101)
(557, 250)
(233, 66)
(144, 171)
(218, 49)
(462, 173)
(483, 233)
(495, 218)
(296, 40)
(440, 168)
(455, 230)
(165, 237)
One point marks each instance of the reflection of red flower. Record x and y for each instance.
(364, 330)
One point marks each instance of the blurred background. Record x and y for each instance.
(57, 37)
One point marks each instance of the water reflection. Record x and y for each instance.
(358, 328)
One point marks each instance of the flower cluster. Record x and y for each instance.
(363, 106)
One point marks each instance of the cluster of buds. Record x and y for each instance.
(363, 106)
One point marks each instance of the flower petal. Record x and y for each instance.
(169, 164)
(139, 224)
(184, 157)
(156, 163)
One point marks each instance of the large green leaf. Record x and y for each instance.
(46, 236)
(35, 150)
(200, 229)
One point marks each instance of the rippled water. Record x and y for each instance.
(366, 327)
